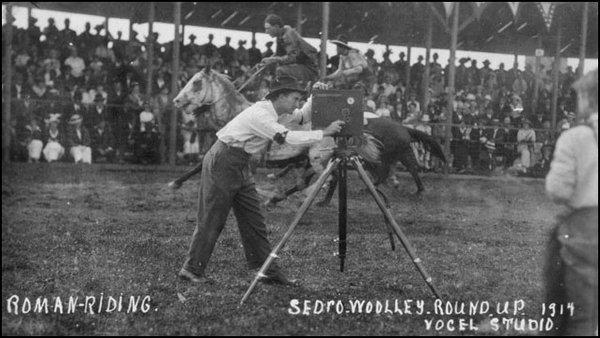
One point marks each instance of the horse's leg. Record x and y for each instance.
(301, 183)
(330, 190)
(176, 184)
(408, 159)
(281, 173)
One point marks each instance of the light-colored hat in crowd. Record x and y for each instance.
(341, 41)
(425, 118)
(76, 118)
(488, 97)
(470, 97)
(146, 117)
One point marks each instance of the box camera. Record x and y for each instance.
(332, 105)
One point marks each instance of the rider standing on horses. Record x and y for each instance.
(353, 67)
(227, 181)
(301, 60)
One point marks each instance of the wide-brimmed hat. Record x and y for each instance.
(463, 60)
(285, 83)
(370, 52)
(425, 118)
(488, 97)
(98, 98)
(471, 97)
(192, 36)
(341, 40)
(486, 62)
(75, 118)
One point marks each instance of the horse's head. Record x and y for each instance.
(201, 89)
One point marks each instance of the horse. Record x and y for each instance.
(384, 141)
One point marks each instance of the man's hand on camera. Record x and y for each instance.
(334, 128)
(320, 86)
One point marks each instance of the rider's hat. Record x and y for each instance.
(285, 83)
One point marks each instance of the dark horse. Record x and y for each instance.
(395, 146)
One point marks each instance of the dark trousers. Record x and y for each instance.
(226, 182)
(571, 272)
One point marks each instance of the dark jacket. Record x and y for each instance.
(73, 140)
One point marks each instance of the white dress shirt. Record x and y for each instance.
(253, 128)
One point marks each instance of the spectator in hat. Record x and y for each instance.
(241, 55)
(226, 181)
(473, 75)
(485, 72)
(416, 73)
(519, 86)
(98, 112)
(353, 66)
(146, 140)
(33, 32)
(103, 143)
(209, 49)
(373, 64)
(462, 73)
(254, 54)
(301, 59)
(54, 140)
(76, 63)
(571, 270)
(525, 142)
(34, 140)
(78, 140)
(269, 52)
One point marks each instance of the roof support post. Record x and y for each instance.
(174, 85)
(426, 74)
(324, 37)
(584, 26)
(7, 84)
(451, 78)
(556, 73)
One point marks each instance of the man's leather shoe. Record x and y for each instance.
(192, 277)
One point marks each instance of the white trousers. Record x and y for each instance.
(53, 151)
(81, 154)
(34, 148)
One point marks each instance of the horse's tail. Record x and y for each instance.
(368, 147)
(428, 141)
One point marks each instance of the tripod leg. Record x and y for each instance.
(342, 210)
(392, 222)
(387, 206)
(305, 205)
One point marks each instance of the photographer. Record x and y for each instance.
(227, 181)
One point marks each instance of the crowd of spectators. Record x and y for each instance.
(82, 98)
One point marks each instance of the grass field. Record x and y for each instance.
(77, 231)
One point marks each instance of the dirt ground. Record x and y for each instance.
(77, 231)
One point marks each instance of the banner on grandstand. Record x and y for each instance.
(478, 8)
(448, 6)
(547, 10)
(514, 8)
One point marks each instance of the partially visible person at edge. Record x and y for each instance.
(227, 181)
(353, 66)
(301, 60)
(571, 270)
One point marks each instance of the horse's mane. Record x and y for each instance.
(229, 87)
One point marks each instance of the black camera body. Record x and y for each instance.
(332, 105)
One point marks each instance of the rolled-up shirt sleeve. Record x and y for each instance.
(561, 179)
(265, 125)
